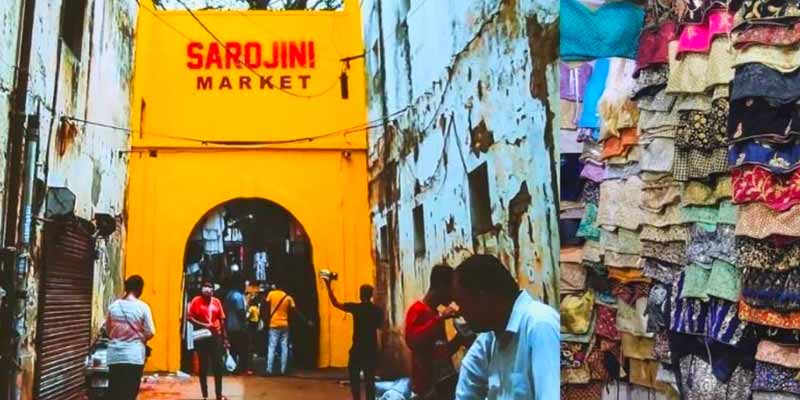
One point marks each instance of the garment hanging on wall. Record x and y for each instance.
(260, 264)
(212, 233)
(612, 30)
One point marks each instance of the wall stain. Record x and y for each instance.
(97, 183)
(451, 224)
(482, 138)
(517, 208)
(65, 137)
(491, 86)
(543, 42)
(409, 138)
(508, 15)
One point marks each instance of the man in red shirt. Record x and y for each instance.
(425, 333)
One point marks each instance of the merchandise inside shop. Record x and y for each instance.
(255, 245)
(679, 189)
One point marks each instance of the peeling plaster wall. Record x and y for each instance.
(480, 78)
(10, 14)
(88, 160)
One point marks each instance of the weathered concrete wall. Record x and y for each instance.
(87, 159)
(478, 81)
(9, 27)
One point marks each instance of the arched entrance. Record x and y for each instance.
(167, 198)
(260, 243)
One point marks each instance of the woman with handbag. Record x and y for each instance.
(208, 317)
(129, 325)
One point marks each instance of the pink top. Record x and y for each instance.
(653, 46)
(698, 38)
(593, 172)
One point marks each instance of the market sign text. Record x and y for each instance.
(252, 59)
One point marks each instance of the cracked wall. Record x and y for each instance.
(475, 82)
(10, 14)
(88, 159)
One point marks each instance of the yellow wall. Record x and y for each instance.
(321, 184)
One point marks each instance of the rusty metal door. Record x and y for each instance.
(65, 309)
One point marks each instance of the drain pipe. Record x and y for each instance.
(26, 220)
(18, 170)
(20, 306)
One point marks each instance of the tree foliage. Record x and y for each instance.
(318, 5)
(295, 4)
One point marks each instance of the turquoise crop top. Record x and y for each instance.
(590, 117)
(610, 31)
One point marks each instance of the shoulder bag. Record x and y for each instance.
(147, 349)
(203, 333)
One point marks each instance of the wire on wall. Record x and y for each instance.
(252, 70)
(345, 131)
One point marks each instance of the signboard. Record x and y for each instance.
(246, 78)
(278, 65)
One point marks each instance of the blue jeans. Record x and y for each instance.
(278, 336)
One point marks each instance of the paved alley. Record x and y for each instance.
(239, 388)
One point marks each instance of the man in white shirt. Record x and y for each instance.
(516, 355)
(129, 326)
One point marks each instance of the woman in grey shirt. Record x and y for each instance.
(130, 326)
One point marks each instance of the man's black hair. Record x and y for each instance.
(441, 277)
(488, 274)
(134, 284)
(366, 292)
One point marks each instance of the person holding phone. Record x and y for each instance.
(367, 319)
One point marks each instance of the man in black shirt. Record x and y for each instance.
(367, 319)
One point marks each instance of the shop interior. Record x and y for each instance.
(261, 244)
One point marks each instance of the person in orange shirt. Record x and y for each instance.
(280, 305)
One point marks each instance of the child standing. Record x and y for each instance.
(254, 326)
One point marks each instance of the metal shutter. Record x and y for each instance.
(65, 309)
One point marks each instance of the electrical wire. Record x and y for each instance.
(414, 11)
(163, 21)
(345, 131)
(240, 63)
(216, 38)
(357, 128)
(331, 36)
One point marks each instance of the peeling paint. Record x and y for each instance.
(93, 85)
(451, 224)
(97, 184)
(517, 208)
(66, 135)
(512, 134)
(482, 138)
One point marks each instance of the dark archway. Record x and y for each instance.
(260, 242)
